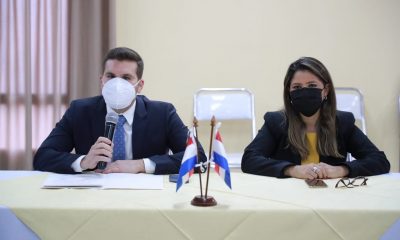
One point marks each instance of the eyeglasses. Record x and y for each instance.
(351, 182)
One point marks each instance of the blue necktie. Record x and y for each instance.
(119, 140)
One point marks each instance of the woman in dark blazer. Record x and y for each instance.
(310, 139)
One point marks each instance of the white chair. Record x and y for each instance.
(352, 100)
(234, 107)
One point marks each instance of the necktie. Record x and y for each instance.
(119, 140)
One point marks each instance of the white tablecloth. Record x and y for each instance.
(257, 208)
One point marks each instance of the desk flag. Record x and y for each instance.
(189, 160)
(219, 158)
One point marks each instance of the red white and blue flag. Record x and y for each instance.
(189, 161)
(219, 157)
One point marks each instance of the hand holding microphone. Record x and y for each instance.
(111, 121)
(101, 151)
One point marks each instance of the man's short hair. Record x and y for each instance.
(124, 53)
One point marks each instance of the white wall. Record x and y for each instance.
(188, 44)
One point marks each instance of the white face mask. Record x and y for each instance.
(119, 93)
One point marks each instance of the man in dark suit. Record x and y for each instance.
(150, 128)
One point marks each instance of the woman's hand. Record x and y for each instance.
(333, 171)
(307, 171)
(313, 171)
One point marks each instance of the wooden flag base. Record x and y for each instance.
(201, 201)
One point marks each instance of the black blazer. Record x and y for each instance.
(269, 155)
(155, 129)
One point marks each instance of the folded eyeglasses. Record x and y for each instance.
(351, 182)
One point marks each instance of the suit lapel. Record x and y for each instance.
(98, 119)
(138, 127)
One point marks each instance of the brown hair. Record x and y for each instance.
(326, 124)
(124, 53)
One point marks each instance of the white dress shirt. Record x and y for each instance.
(129, 115)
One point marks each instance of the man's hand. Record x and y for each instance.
(100, 151)
(125, 166)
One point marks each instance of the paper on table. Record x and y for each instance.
(89, 180)
(133, 181)
(104, 181)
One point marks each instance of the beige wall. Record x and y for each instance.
(188, 44)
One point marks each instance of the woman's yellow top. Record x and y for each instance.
(313, 156)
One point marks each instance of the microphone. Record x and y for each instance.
(111, 121)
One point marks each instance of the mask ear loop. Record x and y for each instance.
(137, 83)
(290, 99)
(326, 96)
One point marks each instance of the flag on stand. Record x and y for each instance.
(219, 158)
(189, 161)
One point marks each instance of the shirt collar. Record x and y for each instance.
(128, 114)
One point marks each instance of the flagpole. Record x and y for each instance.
(210, 152)
(206, 201)
(195, 124)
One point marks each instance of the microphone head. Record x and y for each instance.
(112, 117)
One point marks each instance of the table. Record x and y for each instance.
(257, 208)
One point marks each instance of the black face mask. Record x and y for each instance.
(306, 101)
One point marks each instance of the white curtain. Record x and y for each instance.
(40, 48)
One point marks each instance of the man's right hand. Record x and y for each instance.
(100, 151)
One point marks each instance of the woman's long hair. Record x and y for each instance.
(326, 124)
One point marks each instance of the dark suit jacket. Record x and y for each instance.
(269, 155)
(155, 129)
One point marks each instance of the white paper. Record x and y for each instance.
(104, 181)
(133, 181)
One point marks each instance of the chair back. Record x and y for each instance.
(352, 100)
(234, 107)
